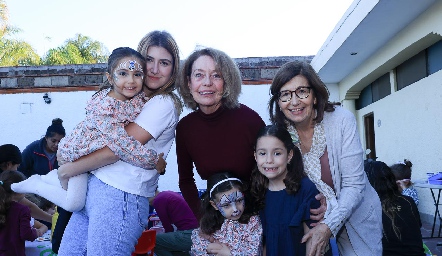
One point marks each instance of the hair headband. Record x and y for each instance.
(222, 181)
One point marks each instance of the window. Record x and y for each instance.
(434, 58)
(375, 91)
(365, 98)
(412, 70)
(381, 87)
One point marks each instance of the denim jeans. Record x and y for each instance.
(110, 223)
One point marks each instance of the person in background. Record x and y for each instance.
(400, 216)
(40, 156)
(220, 132)
(116, 194)
(402, 173)
(282, 192)
(328, 139)
(178, 222)
(10, 157)
(226, 219)
(15, 218)
(10, 160)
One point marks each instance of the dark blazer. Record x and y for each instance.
(34, 160)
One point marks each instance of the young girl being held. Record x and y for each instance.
(283, 192)
(402, 173)
(15, 226)
(226, 219)
(116, 104)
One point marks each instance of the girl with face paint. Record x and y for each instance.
(119, 102)
(232, 228)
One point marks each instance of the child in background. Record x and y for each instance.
(226, 220)
(118, 103)
(178, 222)
(400, 217)
(10, 160)
(283, 193)
(402, 173)
(15, 218)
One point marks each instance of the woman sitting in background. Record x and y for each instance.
(400, 217)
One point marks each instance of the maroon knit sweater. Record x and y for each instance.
(222, 141)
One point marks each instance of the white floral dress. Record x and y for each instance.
(103, 126)
(312, 164)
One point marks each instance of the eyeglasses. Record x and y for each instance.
(300, 92)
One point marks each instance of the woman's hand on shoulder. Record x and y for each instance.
(218, 249)
(318, 214)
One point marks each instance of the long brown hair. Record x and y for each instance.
(165, 40)
(295, 168)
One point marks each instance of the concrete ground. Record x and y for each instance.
(434, 244)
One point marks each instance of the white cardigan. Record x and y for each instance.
(359, 207)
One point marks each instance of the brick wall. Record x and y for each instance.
(259, 70)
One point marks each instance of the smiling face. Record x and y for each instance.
(159, 67)
(230, 203)
(126, 79)
(300, 111)
(206, 84)
(272, 158)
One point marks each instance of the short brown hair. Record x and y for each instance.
(286, 73)
(224, 65)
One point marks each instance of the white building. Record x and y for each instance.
(385, 59)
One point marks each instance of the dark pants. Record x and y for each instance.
(62, 222)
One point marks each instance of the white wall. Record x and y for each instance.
(25, 118)
(410, 119)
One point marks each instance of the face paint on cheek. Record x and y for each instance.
(230, 201)
(115, 76)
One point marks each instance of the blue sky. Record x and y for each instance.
(241, 28)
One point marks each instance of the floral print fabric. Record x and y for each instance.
(103, 126)
(312, 164)
(242, 239)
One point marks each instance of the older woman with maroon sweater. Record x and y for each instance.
(219, 134)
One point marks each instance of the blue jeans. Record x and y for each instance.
(109, 224)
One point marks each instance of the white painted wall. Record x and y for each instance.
(25, 118)
(410, 119)
(410, 127)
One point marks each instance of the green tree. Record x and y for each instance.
(4, 16)
(17, 53)
(13, 52)
(78, 50)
